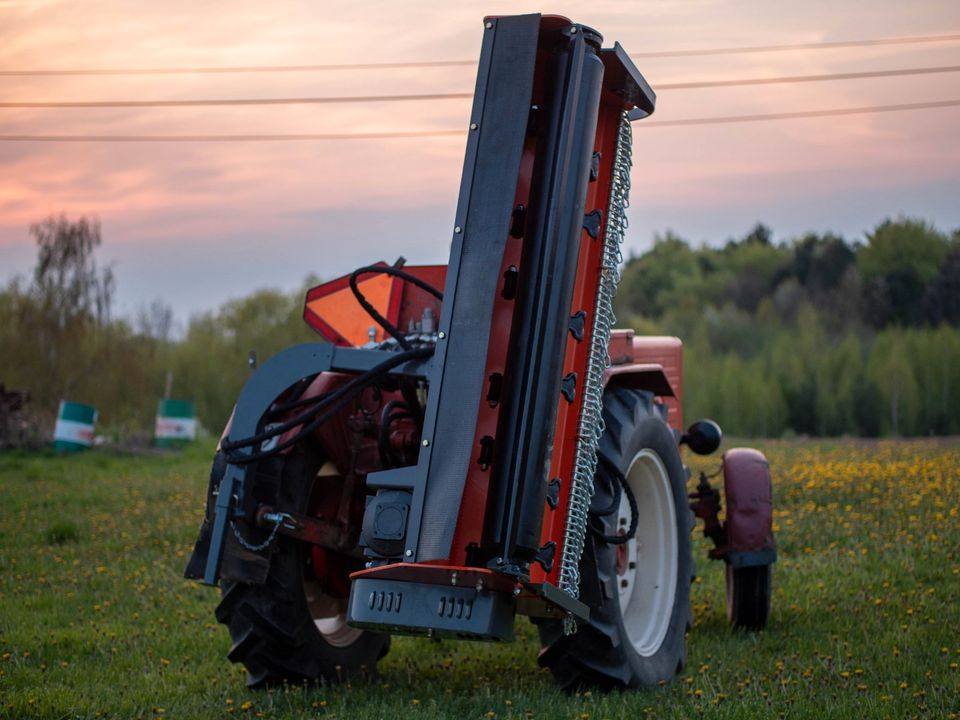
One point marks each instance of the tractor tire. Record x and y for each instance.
(287, 630)
(748, 596)
(640, 609)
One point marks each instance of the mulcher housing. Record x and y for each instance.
(463, 499)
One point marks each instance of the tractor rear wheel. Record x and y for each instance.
(748, 596)
(292, 629)
(635, 635)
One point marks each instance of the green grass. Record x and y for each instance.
(95, 620)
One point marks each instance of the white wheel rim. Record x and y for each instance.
(647, 583)
(330, 616)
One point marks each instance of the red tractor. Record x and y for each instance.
(447, 460)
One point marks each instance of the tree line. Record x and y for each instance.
(815, 335)
(60, 340)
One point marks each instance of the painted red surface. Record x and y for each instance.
(749, 496)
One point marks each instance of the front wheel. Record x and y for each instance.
(748, 596)
(292, 628)
(635, 636)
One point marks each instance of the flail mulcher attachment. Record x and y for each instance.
(500, 452)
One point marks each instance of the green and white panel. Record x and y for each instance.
(74, 428)
(176, 422)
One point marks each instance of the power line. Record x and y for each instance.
(238, 101)
(437, 133)
(808, 78)
(238, 69)
(463, 96)
(918, 39)
(229, 138)
(801, 114)
(800, 46)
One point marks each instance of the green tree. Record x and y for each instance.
(893, 378)
(900, 259)
(820, 261)
(935, 357)
(941, 300)
(59, 320)
(838, 388)
(210, 364)
(754, 267)
(647, 280)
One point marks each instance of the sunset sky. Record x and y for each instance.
(195, 224)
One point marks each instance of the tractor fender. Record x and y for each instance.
(331, 436)
(652, 378)
(238, 563)
(749, 499)
(639, 376)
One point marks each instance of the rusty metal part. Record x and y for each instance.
(622, 556)
(706, 506)
(311, 530)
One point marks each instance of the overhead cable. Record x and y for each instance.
(284, 137)
(347, 99)
(692, 52)
(908, 40)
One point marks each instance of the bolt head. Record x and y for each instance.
(473, 126)
(441, 334)
(425, 442)
(409, 553)
(458, 229)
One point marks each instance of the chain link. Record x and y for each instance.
(277, 522)
(591, 427)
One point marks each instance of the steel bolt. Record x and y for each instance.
(473, 126)
(573, 29)
(409, 553)
(458, 229)
(425, 442)
(441, 334)
(489, 26)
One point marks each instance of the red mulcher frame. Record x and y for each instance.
(630, 369)
(528, 581)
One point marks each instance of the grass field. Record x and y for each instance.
(96, 622)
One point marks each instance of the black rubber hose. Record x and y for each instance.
(335, 400)
(609, 467)
(295, 402)
(387, 326)
(386, 418)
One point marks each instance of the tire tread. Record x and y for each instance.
(598, 654)
(273, 633)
